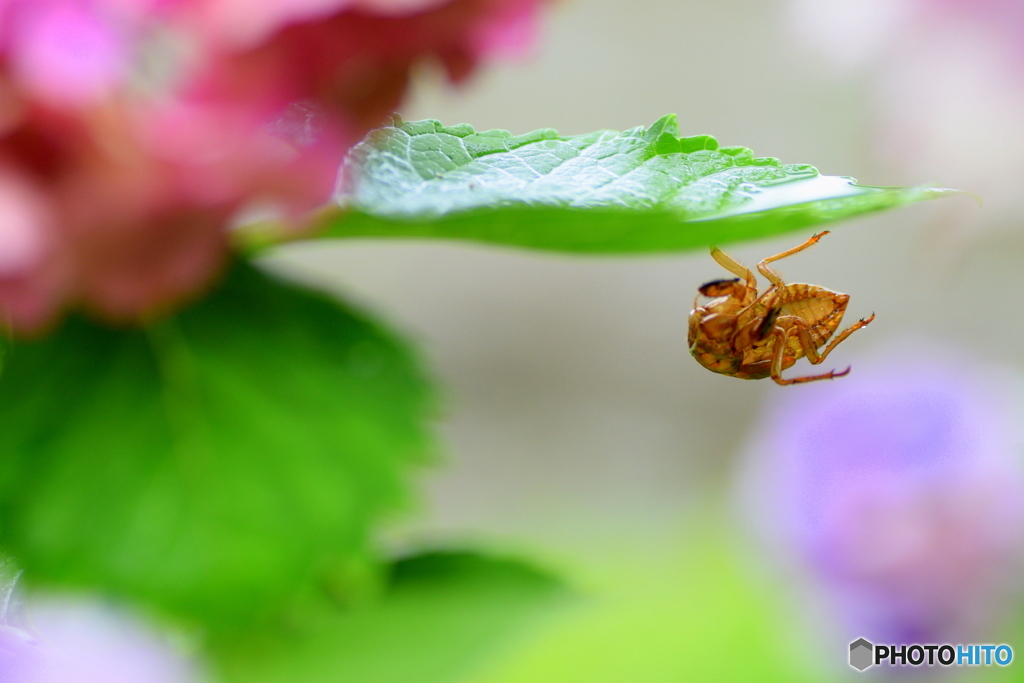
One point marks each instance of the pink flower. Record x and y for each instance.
(132, 131)
(946, 94)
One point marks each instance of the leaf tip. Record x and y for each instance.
(667, 124)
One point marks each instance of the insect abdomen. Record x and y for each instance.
(820, 308)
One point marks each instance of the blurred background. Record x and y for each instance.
(575, 423)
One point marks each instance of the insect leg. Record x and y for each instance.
(772, 275)
(778, 354)
(734, 267)
(807, 344)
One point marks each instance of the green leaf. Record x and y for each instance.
(677, 614)
(641, 190)
(445, 615)
(212, 464)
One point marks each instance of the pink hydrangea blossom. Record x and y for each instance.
(945, 95)
(132, 131)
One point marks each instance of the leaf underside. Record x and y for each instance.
(641, 190)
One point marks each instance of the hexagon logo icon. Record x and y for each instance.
(861, 654)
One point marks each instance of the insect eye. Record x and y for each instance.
(719, 287)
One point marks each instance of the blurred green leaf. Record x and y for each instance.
(212, 463)
(694, 616)
(445, 615)
(641, 190)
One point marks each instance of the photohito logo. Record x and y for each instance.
(865, 654)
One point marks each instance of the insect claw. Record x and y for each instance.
(843, 373)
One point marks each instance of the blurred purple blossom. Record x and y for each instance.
(897, 495)
(80, 641)
(21, 656)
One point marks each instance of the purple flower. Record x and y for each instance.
(85, 642)
(897, 494)
(21, 656)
